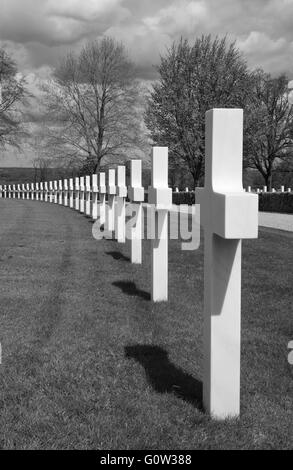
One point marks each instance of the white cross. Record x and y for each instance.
(65, 187)
(228, 215)
(56, 192)
(46, 191)
(81, 193)
(88, 195)
(111, 200)
(77, 193)
(95, 197)
(120, 204)
(160, 198)
(71, 189)
(136, 195)
(60, 189)
(102, 191)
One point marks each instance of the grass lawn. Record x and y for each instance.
(89, 362)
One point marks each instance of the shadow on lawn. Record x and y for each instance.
(117, 255)
(130, 288)
(164, 376)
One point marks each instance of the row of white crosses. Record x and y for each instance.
(229, 214)
(58, 192)
(265, 190)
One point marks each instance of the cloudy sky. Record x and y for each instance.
(38, 32)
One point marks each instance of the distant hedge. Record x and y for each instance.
(268, 202)
(276, 202)
(184, 198)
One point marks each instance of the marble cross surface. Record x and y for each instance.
(228, 214)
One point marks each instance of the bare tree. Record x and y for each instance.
(12, 97)
(269, 126)
(93, 106)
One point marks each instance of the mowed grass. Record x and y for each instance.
(89, 362)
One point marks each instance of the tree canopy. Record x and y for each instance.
(269, 126)
(12, 96)
(192, 79)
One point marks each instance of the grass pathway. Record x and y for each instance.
(277, 221)
(90, 362)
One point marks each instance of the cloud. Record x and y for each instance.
(90, 10)
(41, 31)
(52, 22)
(178, 17)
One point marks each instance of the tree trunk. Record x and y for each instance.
(268, 181)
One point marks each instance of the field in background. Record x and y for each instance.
(89, 362)
(27, 175)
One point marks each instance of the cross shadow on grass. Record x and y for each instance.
(117, 255)
(164, 376)
(130, 288)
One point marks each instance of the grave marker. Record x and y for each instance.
(60, 189)
(56, 192)
(71, 189)
(120, 204)
(102, 191)
(81, 194)
(65, 187)
(95, 197)
(111, 190)
(41, 191)
(228, 215)
(46, 191)
(88, 195)
(160, 197)
(136, 195)
(77, 195)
